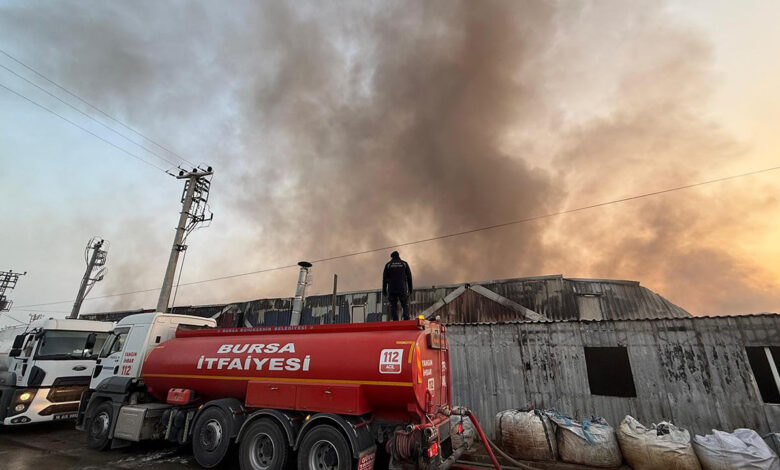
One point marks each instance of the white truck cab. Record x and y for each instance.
(124, 351)
(133, 337)
(45, 366)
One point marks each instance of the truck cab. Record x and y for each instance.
(45, 366)
(121, 358)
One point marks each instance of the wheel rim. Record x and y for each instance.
(211, 435)
(99, 426)
(323, 456)
(261, 452)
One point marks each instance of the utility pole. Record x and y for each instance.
(8, 280)
(96, 263)
(194, 205)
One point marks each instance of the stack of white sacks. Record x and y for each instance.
(549, 435)
(536, 435)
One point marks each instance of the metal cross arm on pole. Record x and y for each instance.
(8, 280)
(94, 272)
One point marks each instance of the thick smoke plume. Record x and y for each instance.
(340, 129)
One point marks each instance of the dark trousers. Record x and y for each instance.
(394, 299)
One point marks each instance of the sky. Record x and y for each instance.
(340, 128)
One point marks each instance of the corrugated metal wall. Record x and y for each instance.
(693, 372)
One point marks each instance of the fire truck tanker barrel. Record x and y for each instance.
(331, 396)
(391, 373)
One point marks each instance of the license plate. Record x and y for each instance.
(65, 416)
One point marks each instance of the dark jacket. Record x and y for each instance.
(397, 277)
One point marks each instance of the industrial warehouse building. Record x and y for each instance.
(540, 298)
(583, 346)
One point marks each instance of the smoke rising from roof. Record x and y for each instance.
(338, 129)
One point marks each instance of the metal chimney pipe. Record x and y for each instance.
(300, 293)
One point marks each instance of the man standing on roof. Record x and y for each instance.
(397, 285)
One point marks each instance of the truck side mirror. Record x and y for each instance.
(16, 349)
(91, 340)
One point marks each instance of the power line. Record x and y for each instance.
(14, 319)
(39, 310)
(82, 128)
(106, 296)
(95, 107)
(449, 235)
(88, 116)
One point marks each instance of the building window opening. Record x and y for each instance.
(609, 372)
(764, 362)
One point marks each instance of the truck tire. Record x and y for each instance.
(324, 448)
(263, 447)
(99, 426)
(211, 437)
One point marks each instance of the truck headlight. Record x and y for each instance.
(22, 399)
(24, 395)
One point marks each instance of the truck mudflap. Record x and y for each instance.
(367, 459)
(83, 402)
(449, 461)
(439, 453)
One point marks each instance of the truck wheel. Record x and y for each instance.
(324, 448)
(211, 438)
(263, 447)
(99, 427)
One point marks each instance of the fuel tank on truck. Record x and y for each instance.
(395, 370)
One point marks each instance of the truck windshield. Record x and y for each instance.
(63, 344)
(115, 342)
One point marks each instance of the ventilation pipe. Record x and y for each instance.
(300, 293)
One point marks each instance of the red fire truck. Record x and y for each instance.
(333, 397)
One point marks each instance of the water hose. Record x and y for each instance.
(490, 445)
(484, 439)
(510, 459)
(403, 443)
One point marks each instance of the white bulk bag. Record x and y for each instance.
(649, 449)
(591, 443)
(526, 435)
(742, 449)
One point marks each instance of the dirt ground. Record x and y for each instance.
(59, 446)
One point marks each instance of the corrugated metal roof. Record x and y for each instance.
(691, 317)
(554, 297)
